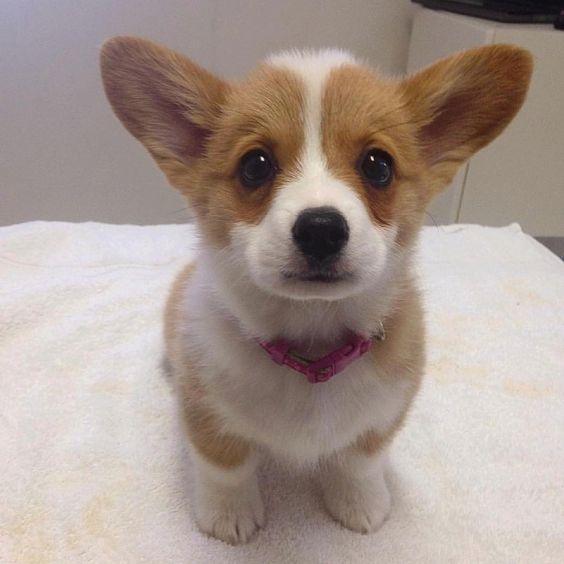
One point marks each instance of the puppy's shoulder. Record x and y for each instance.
(403, 350)
(173, 311)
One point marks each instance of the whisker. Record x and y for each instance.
(430, 215)
(184, 210)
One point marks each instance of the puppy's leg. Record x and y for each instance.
(228, 502)
(354, 489)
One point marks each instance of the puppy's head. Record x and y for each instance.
(314, 172)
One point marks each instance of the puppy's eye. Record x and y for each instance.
(377, 168)
(256, 169)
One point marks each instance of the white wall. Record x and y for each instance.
(63, 156)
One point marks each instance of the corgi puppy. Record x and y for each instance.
(299, 329)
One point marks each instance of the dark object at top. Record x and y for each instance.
(513, 11)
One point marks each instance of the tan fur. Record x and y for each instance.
(163, 99)
(402, 354)
(205, 431)
(173, 313)
(203, 426)
(364, 111)
(258, 114)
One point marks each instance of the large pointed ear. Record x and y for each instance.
(166, 101)
(463, 102)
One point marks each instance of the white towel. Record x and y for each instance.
(94, 467)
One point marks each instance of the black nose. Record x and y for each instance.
(320, 233)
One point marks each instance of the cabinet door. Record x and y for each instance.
(436, 35)
(520, 177)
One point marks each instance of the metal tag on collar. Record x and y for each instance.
(380, 335)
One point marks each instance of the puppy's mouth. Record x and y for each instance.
(321, 275)
(303, 279)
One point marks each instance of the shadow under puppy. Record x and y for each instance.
(299, 328)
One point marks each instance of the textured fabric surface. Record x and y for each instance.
(94, 467)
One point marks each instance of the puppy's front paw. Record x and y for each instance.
(359, 506)
(232, 516)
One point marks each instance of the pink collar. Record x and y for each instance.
(324, 368)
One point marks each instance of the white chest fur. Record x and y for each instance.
(275, 406)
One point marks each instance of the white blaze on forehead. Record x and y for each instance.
(314, 69)
(314, 185)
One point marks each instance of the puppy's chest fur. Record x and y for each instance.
(222, 370)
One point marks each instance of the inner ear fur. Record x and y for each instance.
(163, 99)
(463, 102)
